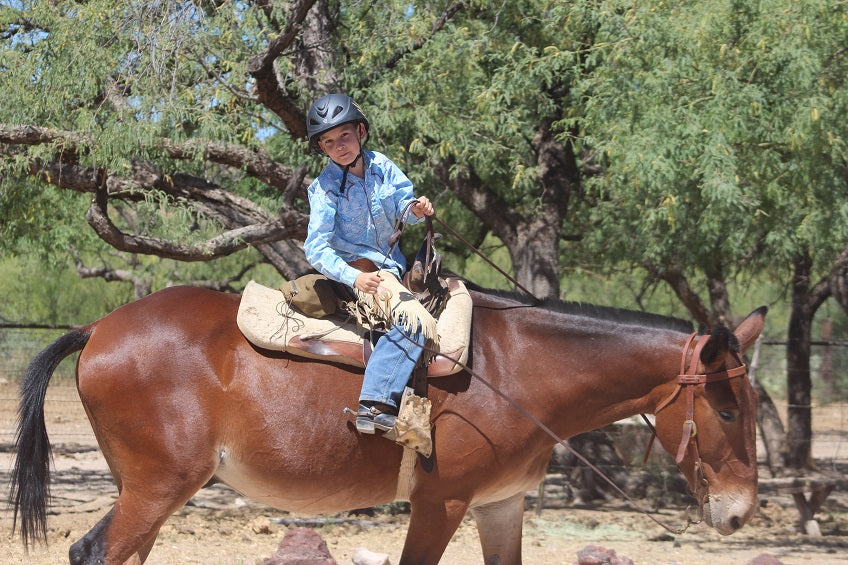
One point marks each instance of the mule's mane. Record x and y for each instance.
(587, 310)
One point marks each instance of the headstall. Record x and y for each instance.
(689, 379)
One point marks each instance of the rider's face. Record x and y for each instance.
(342, 144)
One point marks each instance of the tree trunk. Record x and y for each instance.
(535, 256)
(799, 385)
(286, 256)
(719, 300)
(771, 430)
(830, 389)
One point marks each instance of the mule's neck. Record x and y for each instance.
(590, 372)
(630, 378)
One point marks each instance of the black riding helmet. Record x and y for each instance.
(331, 111)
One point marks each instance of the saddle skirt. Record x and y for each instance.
(267, 320)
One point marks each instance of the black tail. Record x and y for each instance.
(29, 491)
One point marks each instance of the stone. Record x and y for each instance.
(596, 555)
(301, 546)
(362, 556)
(765, 559)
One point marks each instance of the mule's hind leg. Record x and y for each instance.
(499, 525)
(128, 531)
(91, 548)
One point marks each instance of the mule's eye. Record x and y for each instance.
(727, 415)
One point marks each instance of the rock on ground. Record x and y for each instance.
(362, 556)
(301, 546)
(596, 555)
(765, 559)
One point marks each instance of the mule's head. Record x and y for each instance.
(709, 423)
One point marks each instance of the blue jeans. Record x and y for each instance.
(390, 366)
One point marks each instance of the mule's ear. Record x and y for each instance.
(750, 328)
(718, 344)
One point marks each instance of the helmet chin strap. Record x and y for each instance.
(346, 169)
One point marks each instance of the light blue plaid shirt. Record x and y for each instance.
(358, 222)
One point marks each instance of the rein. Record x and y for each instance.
(431, 237)
(689, 428)
(686, 378)
(454, 233)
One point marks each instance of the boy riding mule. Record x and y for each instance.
(354, 205)
(179, 399)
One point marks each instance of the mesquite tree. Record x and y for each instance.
(698, 144)
(200, 106)
(720, 126)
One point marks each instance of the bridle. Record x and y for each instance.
(689, 379)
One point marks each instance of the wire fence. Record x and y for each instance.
(64, 412)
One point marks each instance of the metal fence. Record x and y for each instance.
(830, 373)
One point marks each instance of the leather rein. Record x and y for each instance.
(687, 378)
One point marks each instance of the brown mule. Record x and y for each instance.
(178, 398)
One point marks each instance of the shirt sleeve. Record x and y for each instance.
(319, 252)
(403, 193)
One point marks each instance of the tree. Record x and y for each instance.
(133, 103)
(697, 141)
(201, 105)
(724, 157)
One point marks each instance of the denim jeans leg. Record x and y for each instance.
(390, 366)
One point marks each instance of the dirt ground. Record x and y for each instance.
(220, 527)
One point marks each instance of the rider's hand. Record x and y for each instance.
(367, 282)
(423, 207)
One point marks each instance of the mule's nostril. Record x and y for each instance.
(735, 523)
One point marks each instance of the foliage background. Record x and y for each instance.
(681, 157)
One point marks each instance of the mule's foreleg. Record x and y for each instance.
(431, 527)
(499, 525)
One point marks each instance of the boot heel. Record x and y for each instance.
(365, 425)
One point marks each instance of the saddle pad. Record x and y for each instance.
(267, 320)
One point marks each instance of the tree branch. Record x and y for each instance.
(270, 92)
(225, 285)
(680, 285)
(485, 204)
(218, 246)
(449, 12)
(256, 163)
(247, 223)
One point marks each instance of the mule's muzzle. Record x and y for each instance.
(728, 513)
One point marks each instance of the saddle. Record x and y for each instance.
(269, 320)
